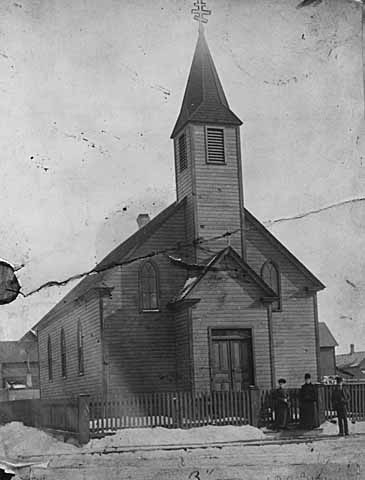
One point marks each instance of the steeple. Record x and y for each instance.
(204, 100)
(207, 150)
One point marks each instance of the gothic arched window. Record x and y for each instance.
(63, 354)
(148, 281)
(271, 275)
(80, 348)
(50, 360)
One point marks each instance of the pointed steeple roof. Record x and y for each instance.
(204, 100)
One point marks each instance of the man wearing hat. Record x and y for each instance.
(340, 399)
(308, 404)
(281, 405)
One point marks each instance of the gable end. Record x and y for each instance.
(316, 283)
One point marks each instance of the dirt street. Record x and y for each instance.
(329, 459)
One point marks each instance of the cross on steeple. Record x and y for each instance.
(200, 11)
(204, 101)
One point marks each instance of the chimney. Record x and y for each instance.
(352, 348)
(143, 219)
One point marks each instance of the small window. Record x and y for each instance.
(271, 276)
(183, 159)
(63, 354)
(149, 287)
(80, 348)
(215, 145)
(50, 360)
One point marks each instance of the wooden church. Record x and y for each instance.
(202, 297)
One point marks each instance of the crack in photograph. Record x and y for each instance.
(182, 273)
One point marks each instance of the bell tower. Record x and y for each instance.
(207, 152)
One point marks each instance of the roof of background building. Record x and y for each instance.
(17, 352)
(350, 360)
(326, 339)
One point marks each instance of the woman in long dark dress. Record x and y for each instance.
(308, 404)
(281, 402)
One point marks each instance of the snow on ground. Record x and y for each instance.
(165, 436)
(17, 440)
(334, 458)
(329, 428)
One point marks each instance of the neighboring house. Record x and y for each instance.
(211, 310)
(351, 365)
(328, 355)
(19, 368)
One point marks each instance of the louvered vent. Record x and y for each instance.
(183, 159)
(215, 145)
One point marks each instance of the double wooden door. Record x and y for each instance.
(231, 359)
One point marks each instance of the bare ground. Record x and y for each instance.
(335, 458)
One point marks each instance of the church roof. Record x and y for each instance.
(119, 254)
(192, 281)
(204, 100)
(326, 339)
(140, 236)
(317, 284)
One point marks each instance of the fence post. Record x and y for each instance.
(254, 396)
(177, 410)
(320, 404)
(83, 418)
(174, 410)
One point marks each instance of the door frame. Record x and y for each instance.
(210, 349)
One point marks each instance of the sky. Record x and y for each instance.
(90, 92)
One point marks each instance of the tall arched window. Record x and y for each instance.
(80, 348)
(148, 280)
(271, 276)
(63, 354)
(50, 360)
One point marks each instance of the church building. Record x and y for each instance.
(200, 298)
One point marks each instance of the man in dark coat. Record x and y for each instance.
(308, 404)
(281, 406)
(340, 399)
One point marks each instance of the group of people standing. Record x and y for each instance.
(308, 401)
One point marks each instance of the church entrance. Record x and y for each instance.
(231, 359)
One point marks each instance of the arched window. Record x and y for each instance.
(80, 348)
(50, 360)
(63, 354)
(271, 276)
(148, 279)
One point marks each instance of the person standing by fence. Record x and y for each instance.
(308, 404)
(340, 399)
(281, 406)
